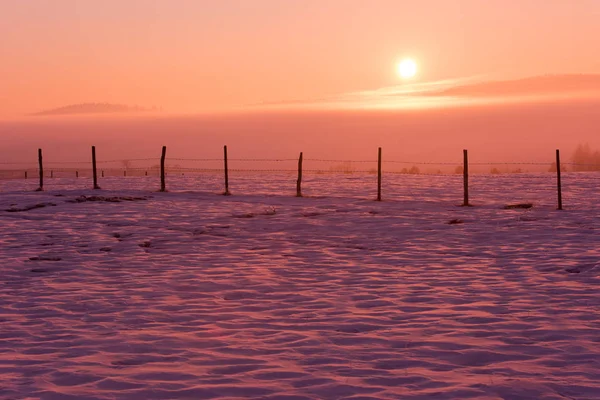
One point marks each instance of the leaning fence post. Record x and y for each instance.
(379, 175)
(94, 170)
(558, 183)
(162, 169)
(466, 178)
(41, 167)
(226, 193)
(299, 181)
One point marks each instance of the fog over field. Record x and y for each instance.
(510, 133)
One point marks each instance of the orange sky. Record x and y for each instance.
(204, 55)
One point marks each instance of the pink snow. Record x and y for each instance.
(261, 295)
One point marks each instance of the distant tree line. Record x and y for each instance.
(585, 159)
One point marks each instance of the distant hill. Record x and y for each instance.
(95, 108)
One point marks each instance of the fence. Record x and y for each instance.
(99, 169)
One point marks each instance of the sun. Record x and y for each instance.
(407, 68)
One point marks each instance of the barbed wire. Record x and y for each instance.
(449, 174)
(220, 170)
(581, 165)
(420, 162)
(128, 160)
(79, 162)
(340, 161)
(195, 159)
(511, 163)
(475, 174)
(458, 162)
(235, 159)
(347, 169)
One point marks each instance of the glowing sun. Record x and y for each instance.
(407, 68)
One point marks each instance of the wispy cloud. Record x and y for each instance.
(458, 92)
(546, 85)
(408, 95)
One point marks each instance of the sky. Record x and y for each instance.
(196, 56)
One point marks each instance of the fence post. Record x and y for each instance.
(379, 174)
(94, 170)
(25, 174)
(299, 181)
(466, 178)
(162, 169)
(52, 174)
(558, 183)
(41, 167)
(125, 173)
(76, 174)
(226, 193)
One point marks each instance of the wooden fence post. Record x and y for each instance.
(299, 181)
(379, 175)
(94, 170)
(558, 183)
(41, 167)
(162, 169)
(76, 174)
(466, 178)
(226, 193)
(25, 174)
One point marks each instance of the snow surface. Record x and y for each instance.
(193, 295)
